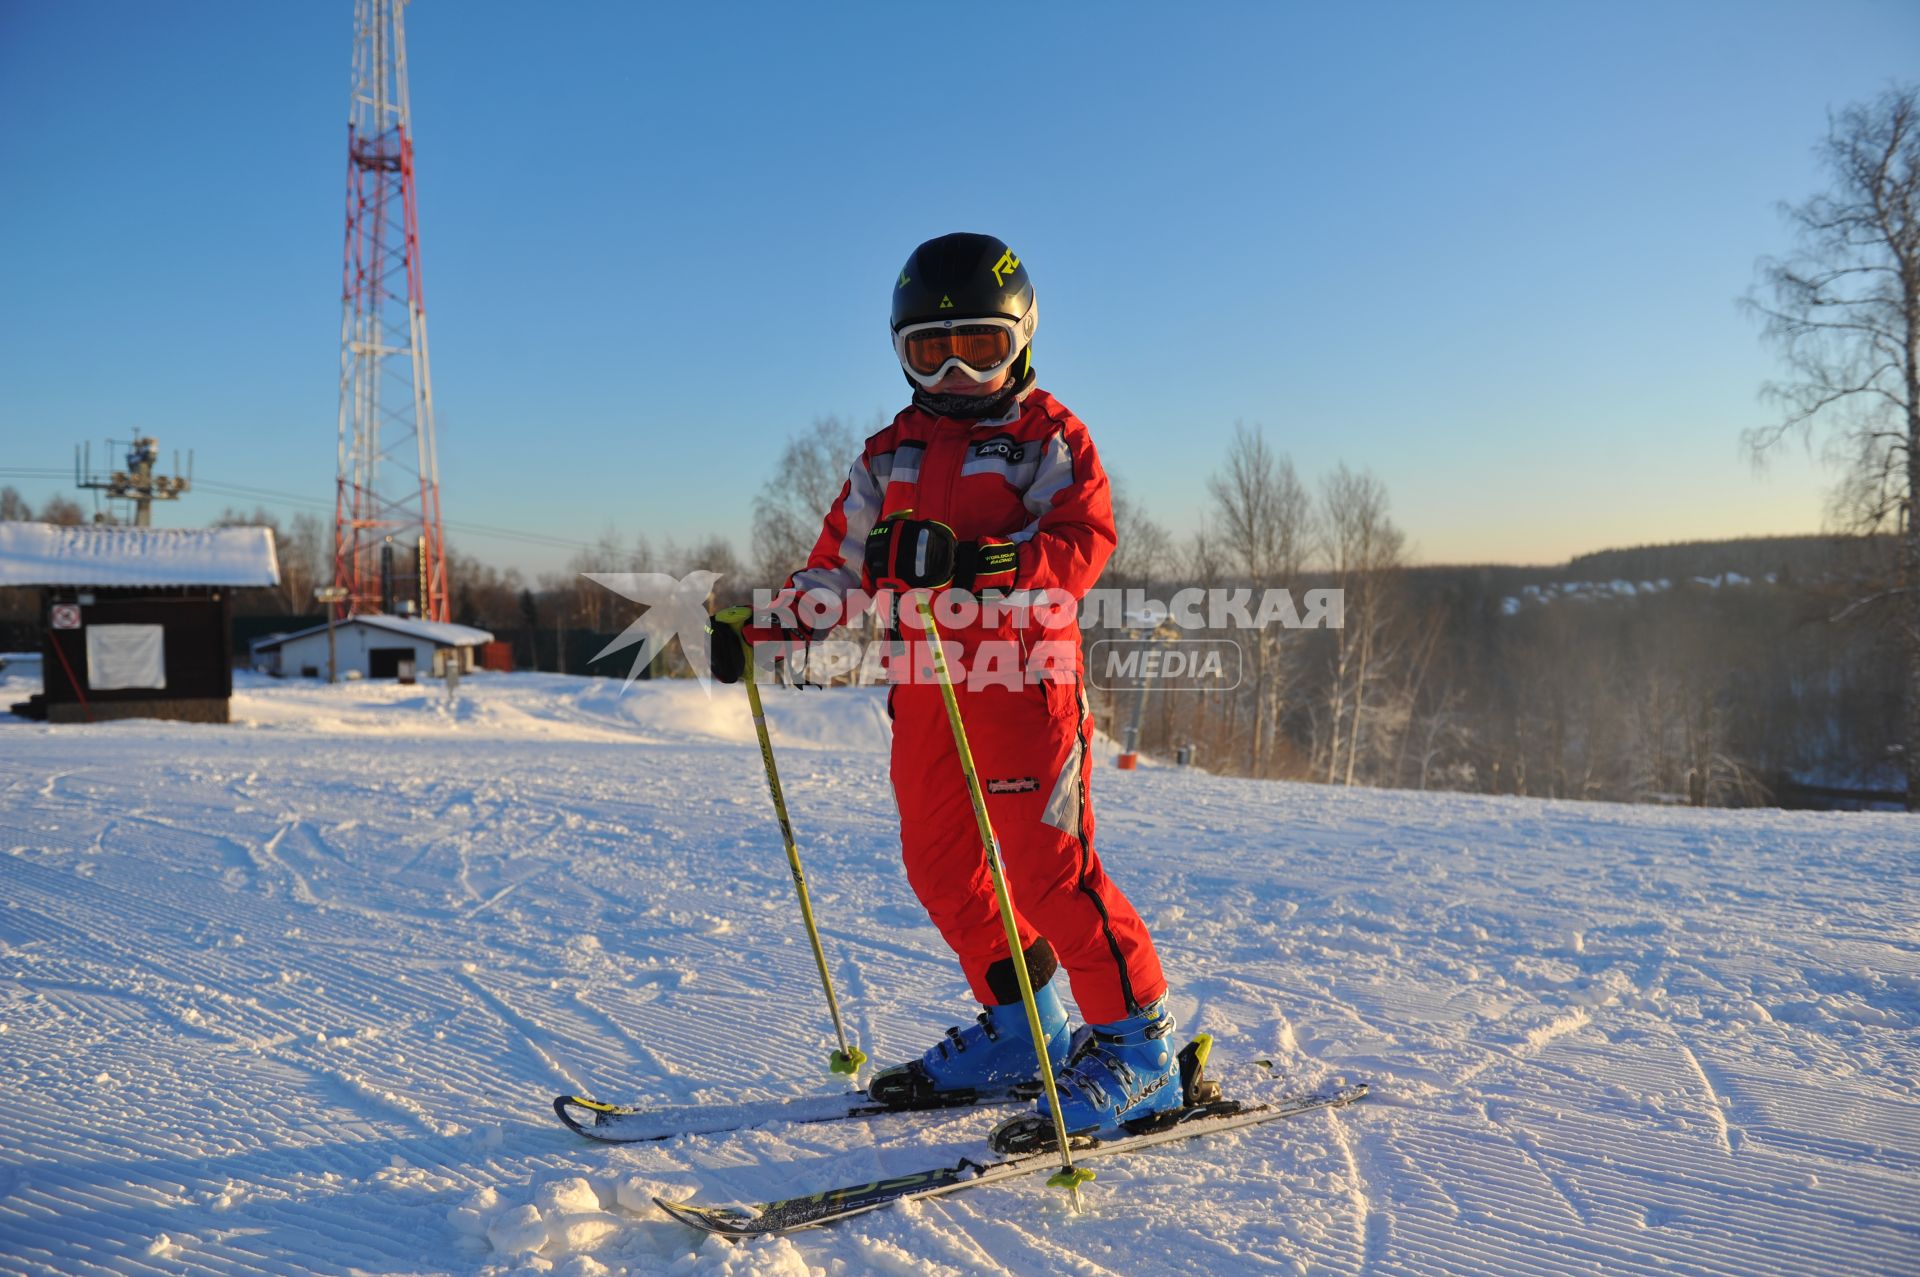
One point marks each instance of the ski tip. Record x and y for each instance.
(582, 1102)
(685, 1212)
(563, 1106)
(723, 1220)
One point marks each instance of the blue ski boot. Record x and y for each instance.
(1119, 1073)
(994, 1053)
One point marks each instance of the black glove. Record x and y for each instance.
(909, 554)
(731, 636)
(985, 567)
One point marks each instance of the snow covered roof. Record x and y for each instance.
(445, 633)
(439, 633)
(46, 554)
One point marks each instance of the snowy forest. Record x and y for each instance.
(1730, 673)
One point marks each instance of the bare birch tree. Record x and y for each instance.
(1363, 548)
(1142, 548)
(1262, 515)
(1844, 312)
(794, 499)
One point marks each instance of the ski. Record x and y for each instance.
(628, 1124)
(811, 1211)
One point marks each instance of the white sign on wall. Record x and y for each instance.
(66, 616)
(126, 656)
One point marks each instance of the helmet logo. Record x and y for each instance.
(946, 302)
(1007, 264)
(903, 280)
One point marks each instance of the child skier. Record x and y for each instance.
(987, 485)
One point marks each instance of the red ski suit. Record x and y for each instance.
(1030, 477)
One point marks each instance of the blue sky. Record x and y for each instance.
(1488, 251)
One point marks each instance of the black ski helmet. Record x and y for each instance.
(966, 276)
(959, 276)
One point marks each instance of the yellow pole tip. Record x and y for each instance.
(847, 1061)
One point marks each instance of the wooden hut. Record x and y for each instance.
(136, 621)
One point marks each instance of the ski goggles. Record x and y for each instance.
(982, 347)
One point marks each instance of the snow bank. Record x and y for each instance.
(560, 707)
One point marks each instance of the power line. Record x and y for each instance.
(548, 540)
(477, 529)
(247, 492)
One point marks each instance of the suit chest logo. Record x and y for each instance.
(1002, 446)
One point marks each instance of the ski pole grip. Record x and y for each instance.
(731, 660)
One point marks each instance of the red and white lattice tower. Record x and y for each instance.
(389, 551)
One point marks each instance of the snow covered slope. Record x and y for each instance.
(291, 995)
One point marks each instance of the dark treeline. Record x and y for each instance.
(1721, 673)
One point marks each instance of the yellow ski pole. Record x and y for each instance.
(1068, 1176)
(848, 1058)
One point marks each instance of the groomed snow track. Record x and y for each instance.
(292, 996)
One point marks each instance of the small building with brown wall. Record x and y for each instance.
(135, 621)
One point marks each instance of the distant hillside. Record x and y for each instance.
(1799, 558)
(1787, 559)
